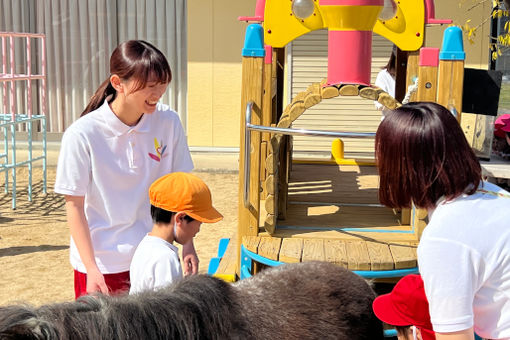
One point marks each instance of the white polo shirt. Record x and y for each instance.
(155, 265)
(113, 165)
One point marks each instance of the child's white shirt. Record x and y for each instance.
(155, 264)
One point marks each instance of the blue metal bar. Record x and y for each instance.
(6, 152)
(390, 333)
(10, 166)
(247, 256)
(45, 154)
(30, 161)
(380, 274)
(6, 166)
(13, 144)
(367, 230)
(245, 273)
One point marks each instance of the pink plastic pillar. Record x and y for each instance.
(4, 71)
(13, 102)
(29, 80)
(43, 71)
(349, 49)
(349, 57)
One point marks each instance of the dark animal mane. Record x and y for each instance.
(309, 300)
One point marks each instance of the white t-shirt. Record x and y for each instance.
(113, 165)
(464, 259)
(155, 264)
(386, 82)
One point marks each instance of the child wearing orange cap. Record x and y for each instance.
(407, 308)
(180, 203)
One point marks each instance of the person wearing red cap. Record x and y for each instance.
(502, 134)
(424, 160)
(406, 308)
(180, 203)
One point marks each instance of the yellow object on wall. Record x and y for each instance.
(405, 29)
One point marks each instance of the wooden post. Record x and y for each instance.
(412, 71)
(267, 112)
(413, 59)
(252, 91)
(427, 91)
(427, 74)
(451, 78)
(451, 70)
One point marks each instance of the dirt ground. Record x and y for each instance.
(34, 238)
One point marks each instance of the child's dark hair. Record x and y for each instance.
(164, 216)
(136, 59)
(402, 330)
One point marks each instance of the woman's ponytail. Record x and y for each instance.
(98, 98)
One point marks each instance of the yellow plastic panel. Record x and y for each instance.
(347, 18)
(406, 29)
(281, 26)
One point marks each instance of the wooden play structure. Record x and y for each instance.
(293, 210)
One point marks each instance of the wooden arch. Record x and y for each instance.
(278, 162)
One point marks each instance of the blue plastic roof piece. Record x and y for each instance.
(254, 41)
(453, 47)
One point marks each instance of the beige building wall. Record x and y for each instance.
(477, 54)
(215, 40)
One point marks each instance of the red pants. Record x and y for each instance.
(117, 283)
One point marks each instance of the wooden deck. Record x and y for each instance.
(354, 254)
(333, 214)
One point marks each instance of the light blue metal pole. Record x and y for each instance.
(43, 122)
(6, 152)
(30, 160)
(13, 145)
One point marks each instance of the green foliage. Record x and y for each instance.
(498, 44)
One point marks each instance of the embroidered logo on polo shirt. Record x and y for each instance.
(160, 151)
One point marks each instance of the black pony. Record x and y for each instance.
(312, 300)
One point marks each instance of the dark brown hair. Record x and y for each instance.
(391, 66)
(136, 59)
(160, 215)
(422, 154)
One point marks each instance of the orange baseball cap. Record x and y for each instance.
(181, 191)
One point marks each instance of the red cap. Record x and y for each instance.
(406, 305)
(502, 125)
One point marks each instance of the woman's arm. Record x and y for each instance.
(81, 235)
(467, 334)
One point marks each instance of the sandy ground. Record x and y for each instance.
(34, 238)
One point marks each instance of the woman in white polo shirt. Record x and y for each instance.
(464, 252)
(124, 140)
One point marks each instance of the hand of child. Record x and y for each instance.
(189, 259)
(96, 282)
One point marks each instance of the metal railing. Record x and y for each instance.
(283, 131)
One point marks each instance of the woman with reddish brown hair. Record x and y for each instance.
(464, 253)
